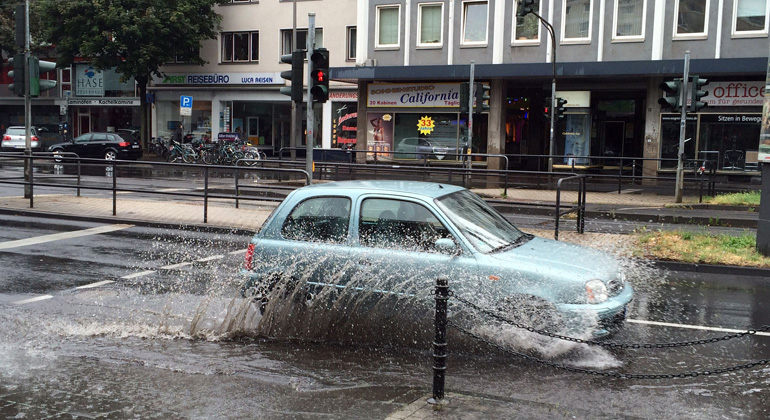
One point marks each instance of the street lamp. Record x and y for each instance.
(524, 8)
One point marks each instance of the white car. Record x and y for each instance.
(14, 139)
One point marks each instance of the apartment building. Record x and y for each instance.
(238, 90)
(608, 58)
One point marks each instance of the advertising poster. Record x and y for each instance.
(764, 133)
(379, 135)
(344, 124)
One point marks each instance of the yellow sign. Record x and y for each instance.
(425, 125)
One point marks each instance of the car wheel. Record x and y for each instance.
(532, 311)
(110, 155)
(261, 290)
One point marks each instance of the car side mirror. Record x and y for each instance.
(447, 246)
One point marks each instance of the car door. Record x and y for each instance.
(80, 145)
(397, 253)
(97, 145)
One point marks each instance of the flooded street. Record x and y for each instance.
(149, 323)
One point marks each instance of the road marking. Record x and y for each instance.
(97, 284)
(240, 251)
(139, 274)
(64, 235)
(34, 299)
(211, 258)
(175, 266)
(173, 189)
(692, 327)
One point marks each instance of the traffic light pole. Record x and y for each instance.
(682, 127)
(551, 143)
(310, 113)
(27, 109)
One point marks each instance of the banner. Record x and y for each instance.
(423, 95)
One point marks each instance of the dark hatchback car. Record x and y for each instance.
(109, 146)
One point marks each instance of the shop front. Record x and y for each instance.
(726, 132)
(97, 100)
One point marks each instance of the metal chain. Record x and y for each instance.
(611, 344)
(612, 374)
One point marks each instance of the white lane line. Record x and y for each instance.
(175, 266)
(64, 235)
(173, 189)
(97, 284)
(691, 327)
(211, 258)
(34, 299)
(240, 251)
(139, 274)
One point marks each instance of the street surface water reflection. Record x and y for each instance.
(179, 345)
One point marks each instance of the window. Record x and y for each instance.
(691, 18)
(320, 219)
(352, 35)
(527, 29)
(388, 26)
(629, 19)
(430, 18)
(475, 22)
(286, 40)
(240, 47)
(398, 224)
(577, 21)
(750, 17)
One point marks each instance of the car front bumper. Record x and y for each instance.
(610, 315)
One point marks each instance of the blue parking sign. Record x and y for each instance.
(186, 101)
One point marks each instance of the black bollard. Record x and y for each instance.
(439, 343)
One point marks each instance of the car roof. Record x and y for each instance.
(425, 189)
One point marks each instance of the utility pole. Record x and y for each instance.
(296, 108)
(27, 107)
(310, 139)
(682, 127)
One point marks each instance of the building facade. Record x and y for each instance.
(608, 58)
(238, 90)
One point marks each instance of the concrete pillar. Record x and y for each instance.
(496, 122)
(652, 130)
(362, 122)
(763, 224)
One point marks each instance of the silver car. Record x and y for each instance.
(396, 237)
(14, 139)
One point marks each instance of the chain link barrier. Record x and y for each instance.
(609, 344)
(611, 374)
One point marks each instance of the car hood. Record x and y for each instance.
(559, 259)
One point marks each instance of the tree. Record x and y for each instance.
(134, 37)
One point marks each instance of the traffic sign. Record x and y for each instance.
(185, 105)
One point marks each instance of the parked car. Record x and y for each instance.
(427, 148)
(15, 137)
(397, 237)
(109, 146)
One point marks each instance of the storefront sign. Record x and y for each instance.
(431, 95)
(89, 81)
(353, 95)
(221, 79)
(734, 93)
(103, 102)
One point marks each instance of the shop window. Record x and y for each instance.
(691, 18)
(240, 47)
(388, 26)
(730, 139)
(750, 17)
(475, 15)
(630, 18)
(352, 34)
(669, 140)
(430, 19)
(527, 28)
(287, 40)
(576, 26)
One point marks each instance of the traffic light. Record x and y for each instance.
(319, 76)
(481, 91)
(294, 75)
(672, 89)
(465, 96)
(560, 102)
(547, 108)
(36, 68)
(18, 74)
(525, 7)
(697, 94)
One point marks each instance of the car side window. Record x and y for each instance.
(320, 219)
(398, 224)
(83, 138)
(99, 137)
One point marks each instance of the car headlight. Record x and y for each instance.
(596, 291)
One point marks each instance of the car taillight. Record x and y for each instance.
(248, 263)
(6, 138)
(34, 138)
(124, 144)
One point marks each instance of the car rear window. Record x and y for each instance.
(319, 219)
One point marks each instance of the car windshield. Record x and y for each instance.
(486, 229)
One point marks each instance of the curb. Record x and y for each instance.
(713, 269)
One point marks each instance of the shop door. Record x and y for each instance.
(84, 124)
(613, 141)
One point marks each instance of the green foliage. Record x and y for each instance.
(747, 198)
